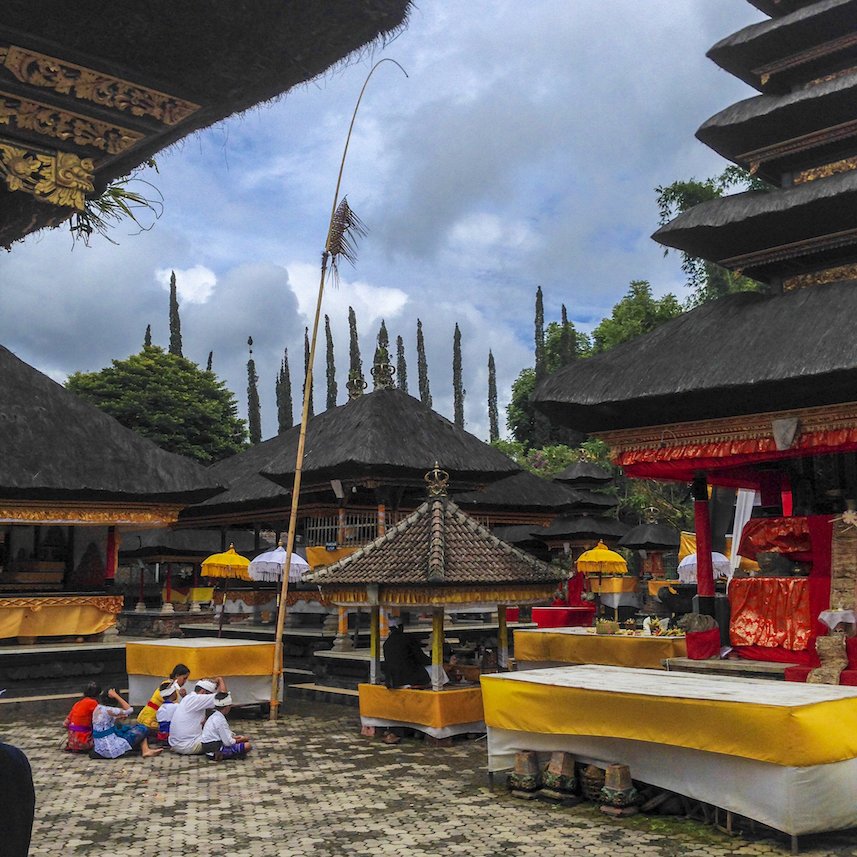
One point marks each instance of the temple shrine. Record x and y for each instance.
(756, 390)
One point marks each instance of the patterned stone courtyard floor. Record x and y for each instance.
(313, 786)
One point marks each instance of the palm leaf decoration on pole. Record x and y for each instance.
(343, 231)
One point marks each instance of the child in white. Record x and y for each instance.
(169, 692)
(217, 739)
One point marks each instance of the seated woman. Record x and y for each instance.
(148, 715)
(79, 721)
(112, 739)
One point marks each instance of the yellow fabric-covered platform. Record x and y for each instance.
(204, 657)
(58, 615)
(749, 718)
(437, 709)
(583, 646)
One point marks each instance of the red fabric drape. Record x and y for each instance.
(783, 535)
(769, 612)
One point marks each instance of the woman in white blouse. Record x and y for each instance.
(113, 738)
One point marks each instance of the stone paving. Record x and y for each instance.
(313, 786)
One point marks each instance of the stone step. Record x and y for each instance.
(313, 692)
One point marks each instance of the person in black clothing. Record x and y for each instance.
(18, 800)
(405, 661)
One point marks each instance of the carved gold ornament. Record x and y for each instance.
(86, 84)
(106, 603)
(820, 278)
(825, 170)
(25, 115)
(36, 513)
(59, 178)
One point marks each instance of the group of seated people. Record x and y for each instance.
(188, 723)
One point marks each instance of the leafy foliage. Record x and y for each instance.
(401, 365)
(169, 400)
(285, 415)
(332, 388)
(638, 312)
(422, 367)
(254, 409)
(493, 416)
(458, 391)
(310, 409)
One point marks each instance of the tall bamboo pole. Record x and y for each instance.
(328, 257)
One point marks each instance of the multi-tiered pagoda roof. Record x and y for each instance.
(786, 353)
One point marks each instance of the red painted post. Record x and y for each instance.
(704, 566)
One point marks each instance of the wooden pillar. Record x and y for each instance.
(342, 622)
(382, 519)
(340, 538)
(112, 555)
(375, 644)
(384, 624)
(168, 590)
(437, 648)
(502, 638)
(704, 565)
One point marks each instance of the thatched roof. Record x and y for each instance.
(212, 59)
(182, 545)
(55, 446)
(768, 120)
(437, 546)
(747, 51)
(586, 527)
(651, 537)
(778, 8)
(516, 534)
(584, 474)
(745, 353)
(522, 491)
(763, 223)
(390, 436)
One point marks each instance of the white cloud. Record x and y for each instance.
(193, 285)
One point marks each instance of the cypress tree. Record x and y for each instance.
(401, 366)
(382, 355)
(332, 389)
(210, 359)
(422, 367)
(567, 340)
(540, 335)
(493, 416)
(147, 339)
(254, 411)
(285, 415)
(356, 381)
(458, 391)
(175, 321)
(310, 411)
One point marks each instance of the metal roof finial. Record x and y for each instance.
(436, 480)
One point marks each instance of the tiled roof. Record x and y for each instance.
(437, 545)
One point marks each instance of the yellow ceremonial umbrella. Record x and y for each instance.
(601, 560)
(227, 564)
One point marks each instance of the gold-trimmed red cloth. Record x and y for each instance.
(770, 612)
(782, 535)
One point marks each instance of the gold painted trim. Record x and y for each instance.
(77, 513)
(107, 603)
(58, 178)
(85, 84)
(751, 427)
(27, 115)
(844, 165)
(820, 278)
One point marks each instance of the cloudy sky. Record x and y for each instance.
(522, 150)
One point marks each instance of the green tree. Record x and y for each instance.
(382, 355)
(175, 321)
(285, 413)
(422, 367)
(310, 410)
(401, 365)
(355, 363)
(638, 312)
(332, 389)
(520, 412)
(210, 361)
(169, 400)
(458, 391)
(493, 415)
(147, 338)
(254, 409)
(541, 363)
(706, 280)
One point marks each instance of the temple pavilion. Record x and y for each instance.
(73, 481)
(756, 390)
(88, 93)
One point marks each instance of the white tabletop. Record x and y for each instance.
(201, 643)
(682, 685)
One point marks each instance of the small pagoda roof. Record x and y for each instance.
(55, 446)
(438, 546)
(522, 491)
(188, 546)
(584, 474)
(111, 84)
(390, 436)
(651, 537)
(588, 527)
(746, 353)
(798, 47)
(778, 8)
(769, 235)
(784, 133)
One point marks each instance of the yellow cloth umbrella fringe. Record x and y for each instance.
(227, 564)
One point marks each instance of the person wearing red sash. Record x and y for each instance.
(79, 721)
